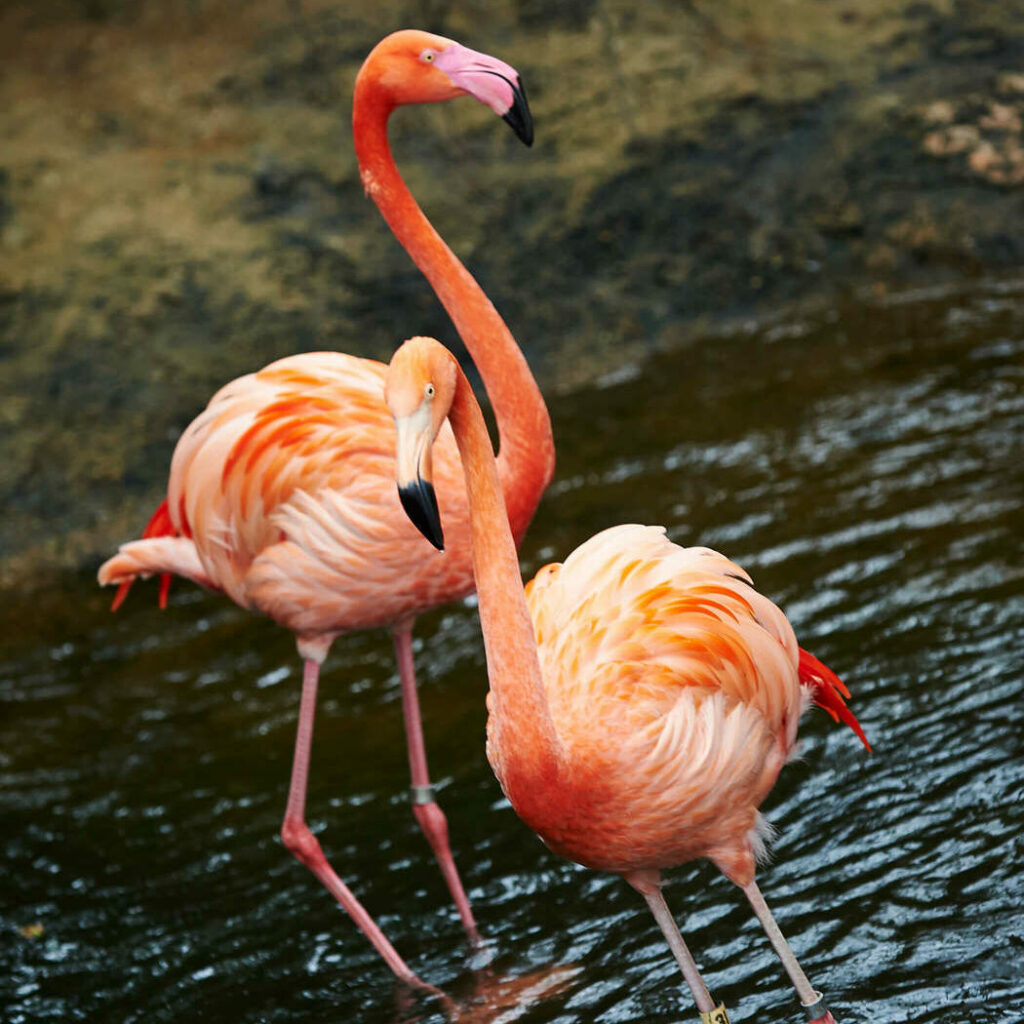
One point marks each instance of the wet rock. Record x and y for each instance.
(1001, 118)
(1010, 83)
(984, 158)
(987, 133)
(939, 112)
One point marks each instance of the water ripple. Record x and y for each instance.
(144, 758)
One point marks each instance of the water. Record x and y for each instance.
(864, 465)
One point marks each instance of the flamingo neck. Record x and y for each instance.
(523, 745)
(526, 446)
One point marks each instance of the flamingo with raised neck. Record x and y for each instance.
(281, 492)
(643, 696)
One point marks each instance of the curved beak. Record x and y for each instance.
(413, 474)
(420, 504)
(518, 115)
(491, 81)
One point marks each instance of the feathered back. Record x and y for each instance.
(688, 616)
(310, 421)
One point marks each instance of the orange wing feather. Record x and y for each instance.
(285, 482)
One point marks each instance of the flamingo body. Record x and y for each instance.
(643, 696)
(282, 494)
(673, 687)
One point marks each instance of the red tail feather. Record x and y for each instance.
(159, 525)
(829, 691)
(122, 593)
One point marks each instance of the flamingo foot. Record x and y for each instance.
(827, 1019)
(716, 1016)
(481, 955)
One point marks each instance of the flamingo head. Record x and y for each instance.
(419, 392)
(411, 66)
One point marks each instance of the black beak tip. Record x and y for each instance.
(518, 115)
(420, 504)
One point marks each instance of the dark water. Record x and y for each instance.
(866, 466)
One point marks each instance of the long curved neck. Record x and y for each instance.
(526, 446)
(523, 744)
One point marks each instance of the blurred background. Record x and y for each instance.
(179, 202)
(765, 261)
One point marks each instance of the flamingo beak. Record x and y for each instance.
(413, 473)
(491, 81)
(420, 504)
(518, 115)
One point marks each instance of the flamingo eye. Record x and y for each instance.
(429, 390)
(428, 56)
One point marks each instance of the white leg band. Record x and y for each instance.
(817, 1009)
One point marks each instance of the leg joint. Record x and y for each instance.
(297, 837)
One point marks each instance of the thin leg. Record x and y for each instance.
(304, 845)
(430, 817)
(812, 1000)
(648, 884)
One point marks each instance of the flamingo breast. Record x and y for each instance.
(673, 686)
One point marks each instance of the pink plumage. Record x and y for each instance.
(676, 692)
(282, 496)
(281, 492)
(664, 669)
(643, 696)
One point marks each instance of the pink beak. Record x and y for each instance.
(491, 81)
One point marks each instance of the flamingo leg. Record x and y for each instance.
(431, 818)
(813, 1002)
(304, 845)
(648, 884)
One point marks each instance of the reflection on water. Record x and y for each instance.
(865, 467)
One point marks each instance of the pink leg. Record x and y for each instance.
(812, 1001)
(648, 884)
(430, 817)
(304, 845)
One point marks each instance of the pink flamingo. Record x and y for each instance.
(643, 696)
(281, 493)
